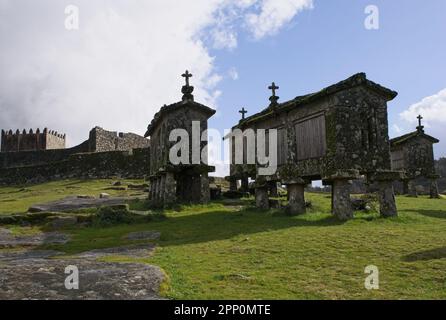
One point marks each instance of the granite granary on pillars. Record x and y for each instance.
(413, 154)
(188, 180)
(335, 135)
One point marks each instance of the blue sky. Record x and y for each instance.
(329, 43)
(124, 58)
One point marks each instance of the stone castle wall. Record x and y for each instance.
(31, 141)
(99, 140)
(100, 165)
(105, 154)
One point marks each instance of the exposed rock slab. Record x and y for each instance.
(75, 203)
(8, 240)
(40, 274)
(45, 279)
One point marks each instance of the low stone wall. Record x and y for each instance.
(101, 165)
(42, 157)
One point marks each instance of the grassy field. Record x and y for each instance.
(18, 199)
(230, 250)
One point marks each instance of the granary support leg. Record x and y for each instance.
(156, 191)
(273, 191)
(205, 195)
(245, 184)
(262, 200)
(405, 187)
(386, 192)
(434, 194)
(233, 184)
(341, 202)
(296, 196)
(162, 188)
(151, 190)
(386, 196)
(170, 189)
(412, 189)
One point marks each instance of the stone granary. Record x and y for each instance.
(335, 135)
(182, 182)
(31, 141)
(413, 153)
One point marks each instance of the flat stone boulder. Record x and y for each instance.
(75, 203)
(144, 235)
(8, 240)
(6, 256)
(44, 279)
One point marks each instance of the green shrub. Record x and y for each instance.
(108, 216)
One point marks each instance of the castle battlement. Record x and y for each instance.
(31, 140)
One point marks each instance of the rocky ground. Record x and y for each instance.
(79, 202)
(29, 273)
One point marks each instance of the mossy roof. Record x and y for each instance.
(412, 135)
(166, 109)
(354, 81)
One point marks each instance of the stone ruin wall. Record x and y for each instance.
(102, 141)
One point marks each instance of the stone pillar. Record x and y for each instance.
(155, 196)
(342, 207)
(170, 189)
(262, 200)
(434, 194)
(152, 189)
(412, 190)
(233, 184)
(386, 197)
(162, 188)
(205, 195)
(405, 187)
(273, 189)
(245, 184)
(296, 197)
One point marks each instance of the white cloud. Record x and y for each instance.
(432, 108)
(123, 63)
(274, 15)
(224, 39)
(396, 129)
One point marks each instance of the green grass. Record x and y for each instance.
(18, 199)
(231, 251)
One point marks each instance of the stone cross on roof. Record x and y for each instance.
(273, 98)
(187, 89)
(243, 112)
(187, 75)
(420, 127)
